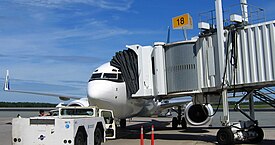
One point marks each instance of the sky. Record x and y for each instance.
(54, 45)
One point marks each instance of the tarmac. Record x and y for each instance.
(163, 133)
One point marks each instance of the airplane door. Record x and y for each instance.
(109, 123)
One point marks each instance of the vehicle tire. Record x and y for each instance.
(97, 137)
(175, 123)
(122, 123)
(225, 136)
(80, 138)
(183, 123)
(260, 135)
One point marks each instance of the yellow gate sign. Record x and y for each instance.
(183, 22)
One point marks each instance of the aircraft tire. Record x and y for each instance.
(225, 136)
(175, 123)
(183, 123)
(122, 123)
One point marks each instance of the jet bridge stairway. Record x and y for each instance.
(264, 95)
(261, 94)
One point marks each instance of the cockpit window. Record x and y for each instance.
(113, 77)
(109, 76)
(120, 79)
(117, 77)
(95, 76)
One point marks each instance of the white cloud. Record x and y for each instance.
(120, 5)
(61, 46)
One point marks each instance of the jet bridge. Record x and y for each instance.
(195, 66)
(199, 68)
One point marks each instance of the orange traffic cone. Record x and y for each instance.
(152, 136)
(141, 136)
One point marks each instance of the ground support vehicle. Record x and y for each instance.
(69, 126)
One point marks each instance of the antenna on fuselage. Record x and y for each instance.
(168, 35)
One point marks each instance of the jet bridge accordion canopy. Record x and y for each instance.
(126, 61)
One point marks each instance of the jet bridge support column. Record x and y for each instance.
(225, 135)
(220, 37)
(246, 131)
(225, 119)
(251, 106)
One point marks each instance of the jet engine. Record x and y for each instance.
(198, 114)
(83, 102)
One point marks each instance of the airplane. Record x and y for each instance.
(106, 89)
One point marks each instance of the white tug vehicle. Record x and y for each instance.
(65, 126)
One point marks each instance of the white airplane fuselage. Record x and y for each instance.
(106, 89)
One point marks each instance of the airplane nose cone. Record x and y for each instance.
(101, 90)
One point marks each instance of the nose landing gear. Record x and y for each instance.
(179, 120)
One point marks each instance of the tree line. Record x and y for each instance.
(26, 104)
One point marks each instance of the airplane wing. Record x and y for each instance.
(175, 102)
(61, 97)
(170, 104)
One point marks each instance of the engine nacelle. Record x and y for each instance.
(198, 114)
(83, 102)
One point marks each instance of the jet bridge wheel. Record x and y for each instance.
(260, 135)
(225, 136)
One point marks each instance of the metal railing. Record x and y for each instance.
(254, 14)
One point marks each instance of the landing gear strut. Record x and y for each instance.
(179, 120)
(122, 123)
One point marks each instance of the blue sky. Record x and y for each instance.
(54, 45)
